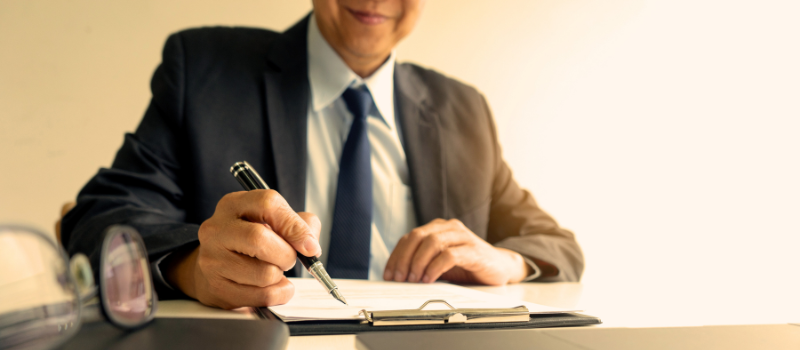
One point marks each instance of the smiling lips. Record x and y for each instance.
(368, 18)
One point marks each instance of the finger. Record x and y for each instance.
(232, 295)
(245, 270)
(269, 207)
(431, 246)
(258, 241)
(446, 260)
(399, 262)
(397, 265)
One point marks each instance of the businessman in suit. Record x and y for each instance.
(383, 170)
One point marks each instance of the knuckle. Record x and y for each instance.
(416, 234)
(254, 236)
(456, 222)
(277, 295)
(263, 276)
(275, 275)
(270, 198)
(449, 255)
(436, 243)
(403, 239)
(436, 240)
(206, 231)
(225, 201)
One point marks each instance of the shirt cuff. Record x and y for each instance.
(536, 271)
(156, 272)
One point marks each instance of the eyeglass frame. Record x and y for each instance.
(99, 287)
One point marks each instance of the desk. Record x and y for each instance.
(628, 305)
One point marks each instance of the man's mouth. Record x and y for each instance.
(369, 18)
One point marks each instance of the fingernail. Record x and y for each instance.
(412, 277)
(426, 279)
(312, 246)
(387, 275)
(398, 276)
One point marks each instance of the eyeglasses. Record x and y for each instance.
(42, 292)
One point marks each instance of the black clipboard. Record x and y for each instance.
(359, 326)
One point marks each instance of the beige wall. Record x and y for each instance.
(664, 132)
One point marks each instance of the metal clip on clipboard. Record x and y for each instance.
(419, 316)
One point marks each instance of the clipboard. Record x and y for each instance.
(439, 319)
(420, 316)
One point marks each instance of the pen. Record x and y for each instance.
(250, 180)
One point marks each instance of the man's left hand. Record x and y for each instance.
(449, 250)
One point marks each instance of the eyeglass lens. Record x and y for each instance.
(128, 289)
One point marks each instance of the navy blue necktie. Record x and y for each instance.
(348, 254)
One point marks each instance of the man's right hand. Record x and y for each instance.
(252, 238)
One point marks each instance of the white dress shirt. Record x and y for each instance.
(328, 126)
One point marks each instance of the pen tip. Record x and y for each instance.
(338, 296)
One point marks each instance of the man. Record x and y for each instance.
(369, 149)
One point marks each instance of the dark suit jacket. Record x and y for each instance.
(223, 95)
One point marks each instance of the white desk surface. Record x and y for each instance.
(617, 306)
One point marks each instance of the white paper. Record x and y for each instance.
(312, 302)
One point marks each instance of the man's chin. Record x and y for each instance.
(369, 49)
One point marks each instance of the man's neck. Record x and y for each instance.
(363, 66)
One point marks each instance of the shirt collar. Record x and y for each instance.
(329, 76)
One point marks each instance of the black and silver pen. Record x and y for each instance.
(250, 180)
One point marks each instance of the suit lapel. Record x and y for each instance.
(422, 144)
(287, 96)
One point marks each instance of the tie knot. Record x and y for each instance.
(358, 101)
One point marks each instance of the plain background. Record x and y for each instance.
(663, 132)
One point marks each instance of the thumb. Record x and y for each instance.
(315, 226)
(301, 230)
(313, 223)
(270, 207)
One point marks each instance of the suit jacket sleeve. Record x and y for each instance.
(517, 223)
(144, 186)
